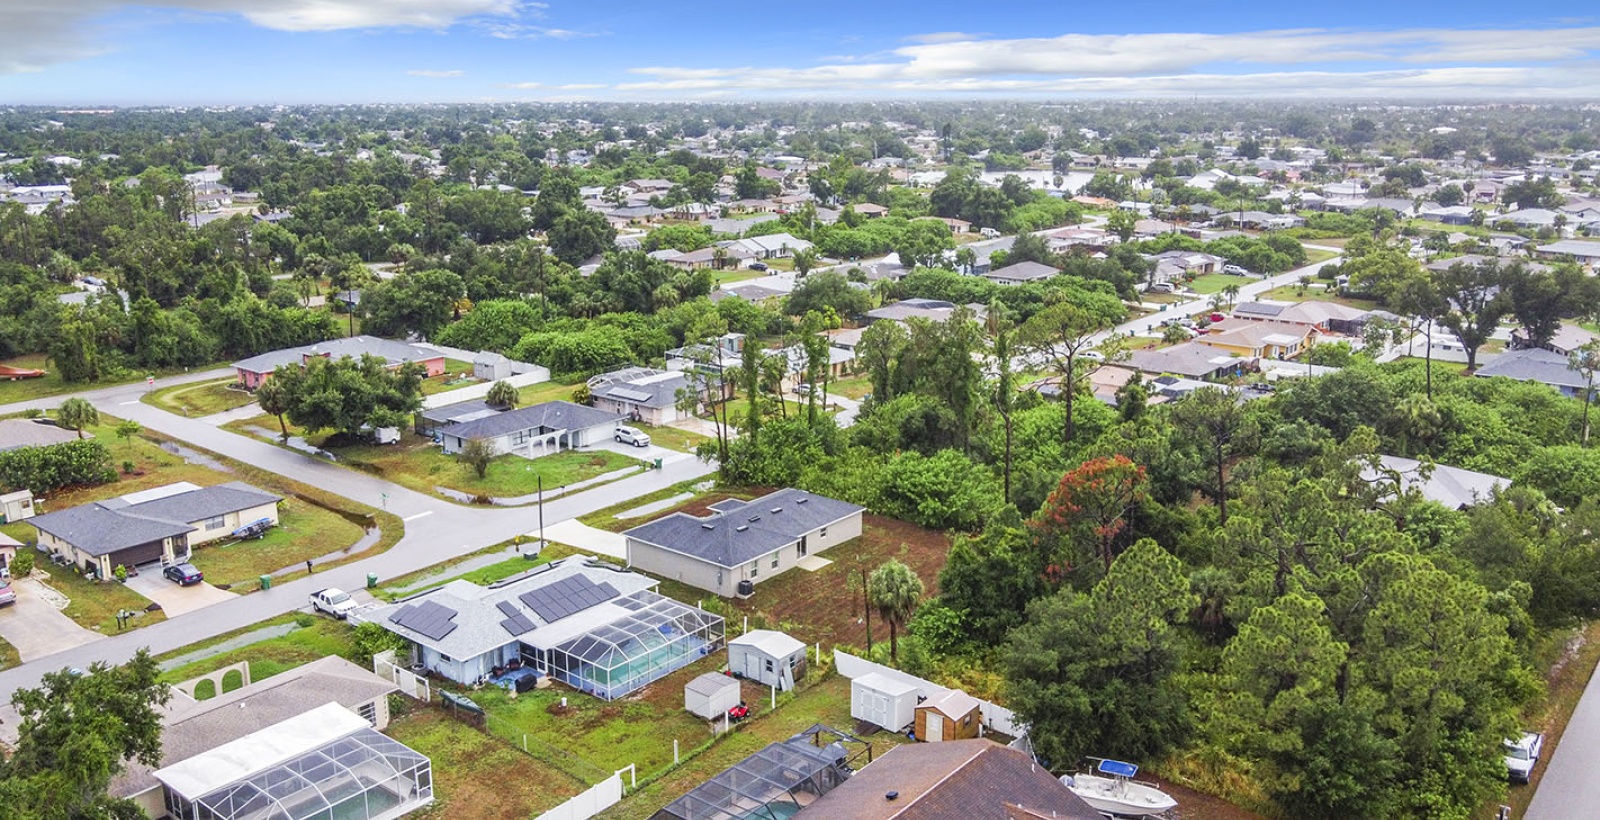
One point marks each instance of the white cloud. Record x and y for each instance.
(943, 37)
(423, 72)
(1418, 62)
(38, 33)
(522, 86)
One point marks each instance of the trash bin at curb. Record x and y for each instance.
(658, 464)
(266, 582)
(372, 580)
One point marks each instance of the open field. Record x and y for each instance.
(476, 774)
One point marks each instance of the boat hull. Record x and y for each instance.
(1119, 797)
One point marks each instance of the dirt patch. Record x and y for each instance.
(827, 605)
(1193, 805)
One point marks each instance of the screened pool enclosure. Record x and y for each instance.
(361, 776)
(657, 637)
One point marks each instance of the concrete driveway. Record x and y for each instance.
(35, 627)
(176, 600)
(646, 453)
(575, 533)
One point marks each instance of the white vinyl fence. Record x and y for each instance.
(598, 798)
(996, 718)
(411, 684)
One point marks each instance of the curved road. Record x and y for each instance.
(435, 529)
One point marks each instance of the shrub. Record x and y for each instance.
(22, 565)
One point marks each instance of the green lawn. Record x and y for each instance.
(305, 531)
(477, 774)
(721, 277)
(854, 387)
(201, 399)
(438, 576)
(1217, 282)
(546, 391)
(417, 463)
(95, 603)
(8, 655)
(51, 384)
(457, 374)
(673, 438)
(1315, 292)
(320, 637)
(1314, 255)
(606, 519)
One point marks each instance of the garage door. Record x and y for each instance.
(133, 556)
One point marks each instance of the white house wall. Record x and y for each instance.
(724, 581)
(231, 522)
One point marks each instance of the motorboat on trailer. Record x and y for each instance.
(1110, 789)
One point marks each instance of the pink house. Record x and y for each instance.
(255, 370)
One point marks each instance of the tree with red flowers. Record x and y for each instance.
(1089, 508)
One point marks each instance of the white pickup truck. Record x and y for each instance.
(335, 602)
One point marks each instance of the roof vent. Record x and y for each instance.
(708, 526)
(891, 796)
(801, 500)
(776, 510)
(742, 527)
(754, 518)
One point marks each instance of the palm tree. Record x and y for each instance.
(895, 592)
(273, 396)
(1586, 360)
(76, 414)
(502, 394)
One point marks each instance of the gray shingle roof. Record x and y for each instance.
(17, 433)
(654, 390)
(552, 415)
(391, 352)
(1022, 272)
(104, 527)
(1534, 365)
(738, 534)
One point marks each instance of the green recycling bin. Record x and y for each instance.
(372, 580)
(658, 464)
(266, 582)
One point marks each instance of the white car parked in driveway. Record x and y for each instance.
(632, 435)
(335, 602)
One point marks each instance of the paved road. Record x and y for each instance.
(435, 529)
(1569, 781)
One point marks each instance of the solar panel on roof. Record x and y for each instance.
(566, 596)
(630, 395)
(517, 625)
(508, 609)
(434, 621)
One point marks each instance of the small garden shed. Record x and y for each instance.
(711, 695)
(883, 701)
(769, 657)
(953, 715)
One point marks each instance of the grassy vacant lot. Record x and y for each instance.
(320, 638)
(51, 384)
(476, 774)
(200, 399)
(827, 702)
(436, 576)
(417, 463)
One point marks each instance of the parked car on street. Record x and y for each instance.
(184, 575)
(335, 602)
(1522, 754)
(633, 435)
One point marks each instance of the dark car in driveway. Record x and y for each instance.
(183, 575)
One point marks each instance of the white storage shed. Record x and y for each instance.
(16, 506)
(883, 701)
(711, 695)
(772, 658)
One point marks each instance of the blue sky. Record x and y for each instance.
(82, 52)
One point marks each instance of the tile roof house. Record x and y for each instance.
(969, 779)
(590, 624)
(18, 433)
(163, 524)
(255, 370)
(1255, 339)
(742, 543)
(536, 430)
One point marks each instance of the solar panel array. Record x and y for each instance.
(630, 395)
(566, 596)
(434, 621)
(515, 622)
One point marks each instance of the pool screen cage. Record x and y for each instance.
(357, 777)
(775, 783)
(658, 637)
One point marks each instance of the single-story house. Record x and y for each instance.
(1566, 340)
(711, 695)
(742, 543)
(934, 310)
(1256, 339)
(255, 370)
(970, 779)
(870, 210)
(193, 729)
(1197, 361)
(716, 356)
(640, 394)
(540, 429)
(18, 433)
(1451, 486)
(767, 657)
(162, 524)
(772, 246)
(592, 625)
(1021, 273)
(953, 715)
(1537, 365)
(1584, 252)
(1325, 317)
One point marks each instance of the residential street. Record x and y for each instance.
(435, 529)
(1569, 777)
